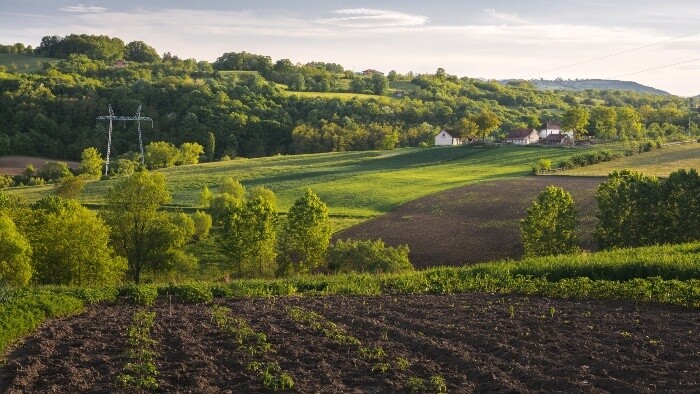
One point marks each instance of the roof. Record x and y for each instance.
(455, 133)
(519, 134)
(556, 137)
(552, 124)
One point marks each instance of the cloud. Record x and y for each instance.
(372, 18)
(510, 18)
(83, 9)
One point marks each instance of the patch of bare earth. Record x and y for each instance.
(476, 342)
(15, 165)
(474, 223)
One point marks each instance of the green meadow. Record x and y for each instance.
(353, 184)
(658, 162)
(22, 62)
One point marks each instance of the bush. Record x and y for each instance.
(140, 294)
(367, 256)
(192, 293)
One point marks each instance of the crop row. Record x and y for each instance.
(140, 371)
(381, 361)
(254, 346)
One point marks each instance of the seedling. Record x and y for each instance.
(402, 363)
(438, 384)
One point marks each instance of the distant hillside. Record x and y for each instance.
(597, 84)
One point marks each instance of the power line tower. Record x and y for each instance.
(138, 118)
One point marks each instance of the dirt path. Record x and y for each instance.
(474, 223)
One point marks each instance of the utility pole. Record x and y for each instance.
(138, 118)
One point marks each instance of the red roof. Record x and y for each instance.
(520, 134)
(556, 137)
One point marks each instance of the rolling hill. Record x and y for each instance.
(595, 84)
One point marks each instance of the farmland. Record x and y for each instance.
(474, 342)
(474, 223)
(566, 323)
(342, 180)
(14, 165)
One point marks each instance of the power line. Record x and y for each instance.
(656, 68)
(614, 54)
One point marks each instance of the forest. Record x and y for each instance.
(247, 105)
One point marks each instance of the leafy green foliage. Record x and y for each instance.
(71, 247)
(160, 154)
(70, 187)
(140, 372)
(306, 236)
(15, 254)
(249, 239)
(145, 295)
(192, 293)
(22, 315)
(548, 227)
(91, 163)
(367, 256)
(202, 224)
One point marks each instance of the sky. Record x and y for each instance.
(655, 43)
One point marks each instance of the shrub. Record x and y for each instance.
(140, 294)
(192, 293)
(367, 256)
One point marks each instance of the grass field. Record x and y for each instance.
(22, 62)
(353, 184)
(659, 162)
(338, 95)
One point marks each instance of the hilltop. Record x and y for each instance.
(594, 84)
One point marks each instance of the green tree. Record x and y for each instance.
(629, 123)
(146, 237)
(487, 122)
(680, 207)
(306, 236)
(202, 224)
(628, 210)
(379, 83)
(548, 227)
(91, 163)
(190, 153)
(205, 197)
(138, 51)
(265, 193)
(576, 119)
(54, 170)
(70, 187)
(604, 120)
(160, 154)
(211, 146)
(250, 239)
(71, 247)
(15, 254)
(233, 187)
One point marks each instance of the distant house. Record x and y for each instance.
(522, 137)
(451, 137)
(371, 71)
(119, 64)
(558, 139)
(550, 127)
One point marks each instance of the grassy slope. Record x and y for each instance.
(24, 63)
(659, 162)
(356, 184)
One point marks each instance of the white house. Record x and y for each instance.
(522, 137)
(450, 138)
(550, 127)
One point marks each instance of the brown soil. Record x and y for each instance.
(15, 165)
(477, 342)
(474, 223)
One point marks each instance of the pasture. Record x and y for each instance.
(658, 162)
(23, 63)
(352, 184)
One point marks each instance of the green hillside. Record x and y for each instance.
(22, 62)
(594, 84)
(358, 184)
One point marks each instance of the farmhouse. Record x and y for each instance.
(558, 139)
(550, 127)
(522, 137)
(451, 137)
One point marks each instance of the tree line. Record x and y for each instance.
(51, 112)
(633, 210)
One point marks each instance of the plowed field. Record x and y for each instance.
(474, 223)
(476, 342)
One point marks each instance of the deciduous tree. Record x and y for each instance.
(548, 227)
(306, 236)
(15, 254)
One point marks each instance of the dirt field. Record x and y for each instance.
(14, 165)
(476, 342)
(474, 223)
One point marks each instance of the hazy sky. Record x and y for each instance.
(481, 38)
